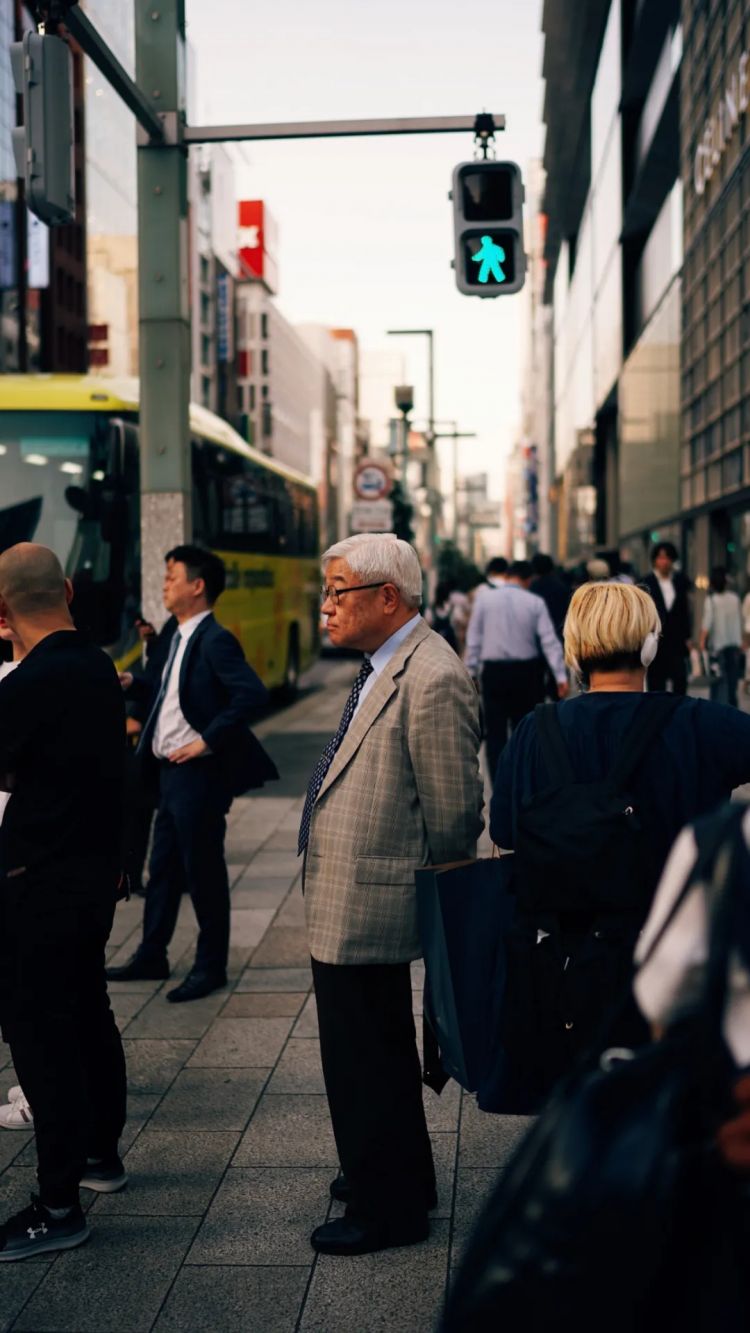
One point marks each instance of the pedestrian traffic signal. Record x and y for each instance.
(44, 146)
(488, 221)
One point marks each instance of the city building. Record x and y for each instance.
(111, 253)
(531, 475)
(715, 155)
(613, 203)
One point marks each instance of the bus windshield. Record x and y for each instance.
(64, 483)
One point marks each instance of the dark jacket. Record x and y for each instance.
(219, 694)
(62, 736)
(694, 764)
(556, 596)
(676, 624)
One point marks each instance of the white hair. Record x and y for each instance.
(376, 556)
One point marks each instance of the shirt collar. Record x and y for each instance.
(189, 627)
(382, 655)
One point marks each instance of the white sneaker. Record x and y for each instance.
(15, 1093)
(16, 1115)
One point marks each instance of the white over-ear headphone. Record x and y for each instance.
(650, 648)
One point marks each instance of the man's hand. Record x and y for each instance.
(133, 727)
(563, 689)
(125, 678)
(187, 752)
(145, 630)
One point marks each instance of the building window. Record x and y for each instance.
(206, 390)
(204, 269)
(264, 362)
(264, 326)
(205, 349)
(251, 398)
(264, 391)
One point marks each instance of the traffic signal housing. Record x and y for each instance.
(44, 145)
(488, 222)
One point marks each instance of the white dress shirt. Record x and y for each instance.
(668, 590)
(382, 656)
(678, 963)
(172, 729)
(5, 670)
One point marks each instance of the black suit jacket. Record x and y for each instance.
(676, 624)
(219, 694)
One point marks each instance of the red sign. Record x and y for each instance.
(257, 243)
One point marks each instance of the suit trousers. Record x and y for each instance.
(57, 1020)
(510, 690)
(374, 1086)
(188, 853)
(668, 666)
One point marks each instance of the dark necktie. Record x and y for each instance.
(326, 759)
(150, 723)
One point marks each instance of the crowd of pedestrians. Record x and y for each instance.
(589, 794)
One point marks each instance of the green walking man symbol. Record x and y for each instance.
(490, 256)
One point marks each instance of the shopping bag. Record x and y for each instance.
(463, 911)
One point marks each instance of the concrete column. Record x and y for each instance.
(164, 318)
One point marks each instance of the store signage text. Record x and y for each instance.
(720, 127)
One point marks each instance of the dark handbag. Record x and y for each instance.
(463, 912)
(615, 1198)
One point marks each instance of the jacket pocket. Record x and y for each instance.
(385, 870)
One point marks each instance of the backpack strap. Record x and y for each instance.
(649, 721)
(552, 743)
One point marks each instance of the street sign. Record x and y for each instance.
(372, 516)
(372, 480)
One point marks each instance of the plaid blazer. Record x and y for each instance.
(403, 791)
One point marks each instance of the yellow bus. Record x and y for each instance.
(70, 478)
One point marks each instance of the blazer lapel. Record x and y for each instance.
(384, 688)
(190, 648)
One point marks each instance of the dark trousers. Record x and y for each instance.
(188, 853)
(138, 815)
(724, 686)
(510, 690)
(670, 666)
(374, 1086)
(57, 1020)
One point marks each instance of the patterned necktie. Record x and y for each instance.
(326, 759)
(148, 729)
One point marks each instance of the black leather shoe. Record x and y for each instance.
(138, 970)
(341, 1191)
(195, 986)
(347, 1236)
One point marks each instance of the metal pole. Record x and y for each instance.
(164, 319)
(405, 449)
(334, 129)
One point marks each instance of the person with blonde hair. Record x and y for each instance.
(591, 793)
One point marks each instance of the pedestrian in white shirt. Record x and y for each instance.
(721, 635)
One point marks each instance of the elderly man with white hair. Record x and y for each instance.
(396, 788)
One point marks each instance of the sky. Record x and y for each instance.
(365, 224)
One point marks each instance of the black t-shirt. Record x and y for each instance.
(62, 738)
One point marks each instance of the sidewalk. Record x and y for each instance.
(228, 1142)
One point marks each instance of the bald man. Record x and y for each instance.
(62, 728)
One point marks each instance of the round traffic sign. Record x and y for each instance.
(372, 480)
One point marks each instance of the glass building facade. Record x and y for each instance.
(715, 148)
(614, 204)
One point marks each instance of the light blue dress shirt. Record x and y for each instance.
(382, 656)
(509, 624)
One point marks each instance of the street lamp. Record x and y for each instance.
(430, 436)
(403, 395)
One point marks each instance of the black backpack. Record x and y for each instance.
(580, 846)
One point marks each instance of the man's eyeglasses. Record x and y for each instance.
(336, 593)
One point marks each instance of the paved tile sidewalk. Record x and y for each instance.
(229, 1147)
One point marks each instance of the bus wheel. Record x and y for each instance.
(291, 674)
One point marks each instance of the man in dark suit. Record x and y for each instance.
(669, 589)
(196, 700)
(62, 742)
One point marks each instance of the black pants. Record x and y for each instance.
(140, 803)
(668, 667)
(374, 1086)
(510, 690)
(57, 1020)
(188, 853)
(724, 687)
